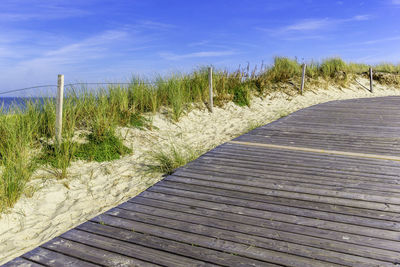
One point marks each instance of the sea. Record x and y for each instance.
(8, 102)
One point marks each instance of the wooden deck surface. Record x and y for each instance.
(284, 194)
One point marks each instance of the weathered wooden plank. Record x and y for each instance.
(92, 254)
(332, 136)
(51, 258)
(289, 154)
(184, 196)
(202, 236)
(257, 166)
(130, 250)
(310, 173)
(304, 139)
(381, 152)
(254, 236)
(335, 191)
(144, 234)
(181, 210)
(294, 194)
(333, 208)
(238, 173)
(21, 262)
(260, 148)
(213, 237)
(281, 133)
(272, 160)
(255, 161)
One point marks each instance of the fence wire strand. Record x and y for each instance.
(27, 88)
(75, 84)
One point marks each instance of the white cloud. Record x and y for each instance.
(396, 2)
(43, 13)
(317, 24)
(202, 54)
(149, 24)
(374, 41)
(382, 40)
(311, 26)
(359, 18)
(94, 43)
(307, 25)
(200, 43)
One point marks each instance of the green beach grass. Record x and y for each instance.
(27, 135)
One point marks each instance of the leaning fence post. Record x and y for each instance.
(303, 74)
(59, 107)
(371, 89)
(210, 87)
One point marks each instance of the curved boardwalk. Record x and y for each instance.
(320, 187)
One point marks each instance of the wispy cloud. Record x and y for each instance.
(317, 24)
(307, 25)
(43, 13)
(311, 28)
(202, 54)
(91, 44)
(91, 48)
(154, 25)
(382, 40)
(200, 43)
(396, 2)
(372, 42)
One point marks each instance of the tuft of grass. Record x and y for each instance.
(284, 69)
(330, 68)
(312, 70)
(16, 167)
(58, 157)
(137, 120)
(168, 160)
(357, 68)
(106, 148)
(388, 68)
(242, 95)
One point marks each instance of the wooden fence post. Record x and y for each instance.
(371, 89)
(210, 87)
(303, 74)
(59, 107)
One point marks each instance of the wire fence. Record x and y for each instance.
(60, 91)
(80, 84)
(155, 83)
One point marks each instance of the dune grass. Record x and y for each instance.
(166, 160)
(27, 135)
(108, 147)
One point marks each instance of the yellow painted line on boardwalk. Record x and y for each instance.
(322, 151)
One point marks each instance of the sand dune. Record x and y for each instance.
(92, 188)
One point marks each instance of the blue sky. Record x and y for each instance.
(109, 40)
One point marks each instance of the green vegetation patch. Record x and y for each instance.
(108, 148)
(139, 121)
(242, 95)
(284, 69)
(58, 157)
(167, 160)
(330, 68)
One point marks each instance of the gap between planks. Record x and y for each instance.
(322, 151)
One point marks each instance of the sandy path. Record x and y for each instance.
(92, 188)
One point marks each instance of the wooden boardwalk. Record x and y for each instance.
(320, 187)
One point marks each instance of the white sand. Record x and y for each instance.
(92, 188)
